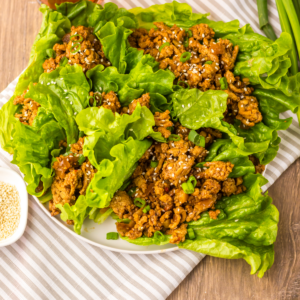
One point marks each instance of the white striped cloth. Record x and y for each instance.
(49, 263)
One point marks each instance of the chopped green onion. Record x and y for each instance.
(184, 83)
(189, 33)
(185, 56)
(224, 84)
(76, 44)
(112, 236)
(186, 43)
(163, 46)
(197, 139)
(79, 35)
(124, 221)
(131, 192)
(209, 62)
(188, 187)
(139, 202)
(174, 137)
(159, 236)
(50, 53)
(193, 180)
(146, 209)
(191, 233)
(154, 164)
(67, 153)
(200, 164)
(75, 48)
(81, 159)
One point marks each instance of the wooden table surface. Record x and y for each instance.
(213, 278)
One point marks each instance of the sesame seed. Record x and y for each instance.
(10, 210)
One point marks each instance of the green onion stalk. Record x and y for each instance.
(286, 27)
(293, 18)
(265, 26)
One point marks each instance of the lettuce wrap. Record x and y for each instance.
(263, 61)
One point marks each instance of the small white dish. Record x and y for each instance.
(11, 177)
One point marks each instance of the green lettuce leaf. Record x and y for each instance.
(65, 93)
(111, 25)
(143, 78)
(180, 14)
(32, 147)
(90, 14)
(54, 27)
(226, 150)
(112, 173)
(196, 109)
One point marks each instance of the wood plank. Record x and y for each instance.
(213, 278)
(20, 22)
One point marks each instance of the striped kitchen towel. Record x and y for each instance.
(49, 263)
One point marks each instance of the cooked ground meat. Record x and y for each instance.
(259, 169)
(209, 61)
(80, 47)
(110, 101)
(71, 179)
(144, 101)
(29, 109)
(162, 122)
(160, 186)
(107, 100)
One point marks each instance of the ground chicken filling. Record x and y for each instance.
(29, 109)
(210, 61)
(160, 187)
(80, 47)
(71, 178)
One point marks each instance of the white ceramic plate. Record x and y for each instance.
(95, 234)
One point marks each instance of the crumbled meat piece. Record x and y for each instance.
(259, 168)
(29, 109)
(71, 179)
(78, 146)
(121, 203)
(162, 122)
(218, 170)
(213, 214)
(178, 235)
(80, 47)
(144, 101)
(249, 113)
(229, 187)
(111, 101)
